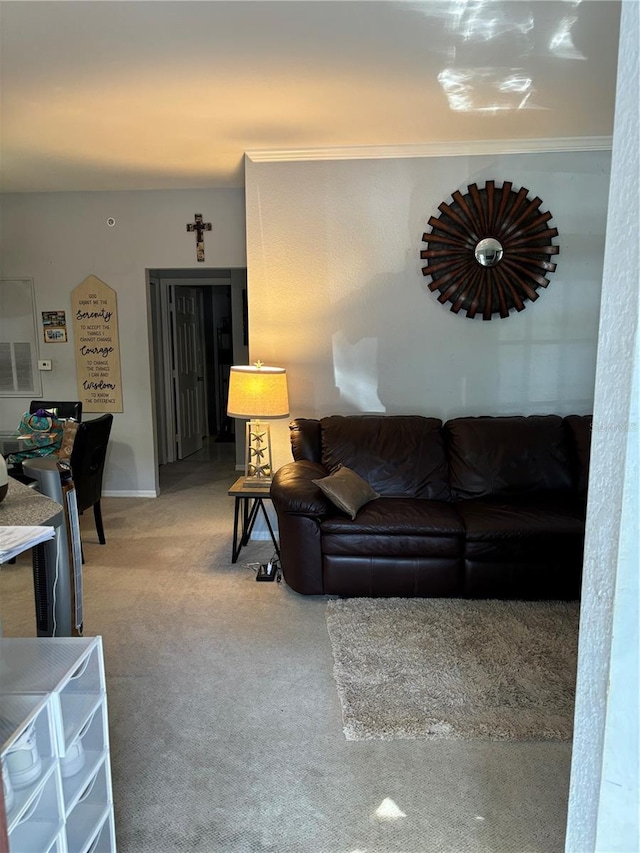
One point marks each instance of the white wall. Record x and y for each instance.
(604, 795)
(337, 296)
(336, 292)
(60, 238)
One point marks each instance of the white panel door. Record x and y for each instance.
(186, 369)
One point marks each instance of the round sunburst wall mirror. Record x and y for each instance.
(489, 251)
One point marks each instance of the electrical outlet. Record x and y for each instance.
(44, 364)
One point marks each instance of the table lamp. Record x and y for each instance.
(257, 392)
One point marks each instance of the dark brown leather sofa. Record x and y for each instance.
(480, 507)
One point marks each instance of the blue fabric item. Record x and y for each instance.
(40, 434)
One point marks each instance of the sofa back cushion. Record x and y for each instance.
(305, 439)
(398, 455)
(504, 456)
(579, 428)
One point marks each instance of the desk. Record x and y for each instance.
(23, 506)
(249, 500)
(52, 577)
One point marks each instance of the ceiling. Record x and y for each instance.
(164, 94)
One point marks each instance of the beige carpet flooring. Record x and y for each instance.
(225, 723)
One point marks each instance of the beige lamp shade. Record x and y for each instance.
(258, 392)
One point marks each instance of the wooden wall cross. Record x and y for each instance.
(199, 227)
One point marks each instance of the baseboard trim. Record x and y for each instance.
(259, 535)
(129, 493)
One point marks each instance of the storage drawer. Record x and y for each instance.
(71, 668)
(79, 697)
(39, 825)
(28, 752)
(83, 756)
(90, 812)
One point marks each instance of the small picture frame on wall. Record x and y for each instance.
(55, 336)
(54, 325)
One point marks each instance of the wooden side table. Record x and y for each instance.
(249, 500)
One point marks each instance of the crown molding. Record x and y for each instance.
(433, 149)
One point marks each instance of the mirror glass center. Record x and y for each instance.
(489, 252)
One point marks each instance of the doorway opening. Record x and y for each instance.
(198, 330)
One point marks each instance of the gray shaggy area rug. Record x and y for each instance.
(454, 668)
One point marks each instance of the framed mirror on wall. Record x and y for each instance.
(19, 375)
(489, 250)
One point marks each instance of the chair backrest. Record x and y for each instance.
(64, 409)
(87, 459)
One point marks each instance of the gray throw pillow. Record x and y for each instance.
(347, 490)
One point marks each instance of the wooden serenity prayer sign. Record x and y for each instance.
(95, 331)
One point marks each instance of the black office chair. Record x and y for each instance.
(63, 409)
(87, 465)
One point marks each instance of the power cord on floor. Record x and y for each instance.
(269, 571)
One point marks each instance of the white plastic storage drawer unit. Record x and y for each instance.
(54, 745)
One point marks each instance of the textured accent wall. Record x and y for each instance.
(604, 796)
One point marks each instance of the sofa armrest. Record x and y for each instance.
(300, 506)
(294, 492)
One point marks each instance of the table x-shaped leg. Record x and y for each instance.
(249, 515)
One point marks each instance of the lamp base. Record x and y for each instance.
(257, 482)
(257, 466)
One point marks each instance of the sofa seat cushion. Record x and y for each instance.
(521, 518)
(526, 529)
(405, 527)
(399, 517)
